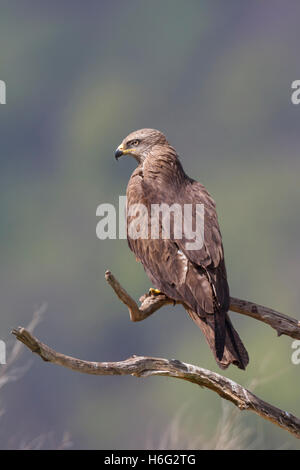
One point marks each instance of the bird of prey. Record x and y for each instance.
(195, 277)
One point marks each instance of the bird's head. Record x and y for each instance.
(139, 144)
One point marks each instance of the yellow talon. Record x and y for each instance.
(153, 291)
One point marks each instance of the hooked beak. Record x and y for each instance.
(121, 151)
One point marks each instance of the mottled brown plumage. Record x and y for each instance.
(195, 277)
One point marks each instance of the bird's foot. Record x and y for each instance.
(153, 291)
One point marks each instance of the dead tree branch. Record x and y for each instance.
(283, 324)
(147, 366)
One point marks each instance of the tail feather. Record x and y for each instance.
(237, 344)
(220, 331)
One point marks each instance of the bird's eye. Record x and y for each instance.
(134, 142)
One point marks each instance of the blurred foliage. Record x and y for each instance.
(215, 77)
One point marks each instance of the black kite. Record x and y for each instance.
(195, 277)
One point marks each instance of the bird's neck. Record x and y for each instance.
(164, 167)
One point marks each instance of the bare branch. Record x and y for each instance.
(14, 374)
(36, 319)
(147, 366)
(283, 324)
(149, 304)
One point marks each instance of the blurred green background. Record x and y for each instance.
(216, 78)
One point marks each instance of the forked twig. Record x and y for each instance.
(283, 324)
